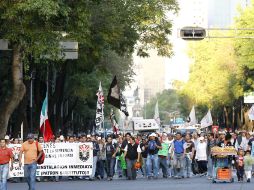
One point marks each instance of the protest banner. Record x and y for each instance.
(17, 170)
(63, 159)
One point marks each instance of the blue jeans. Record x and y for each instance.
(169, 163)
(152, 161)
(119, 169)
(30, 174)
(4, 169)
(178, 165)
(209, 166)
(100, 168)
(144, 167)
(164, 165)
(187, 166)
(131, 171)
(111, 162)
(95, 158)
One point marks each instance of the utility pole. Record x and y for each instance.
(32, 77)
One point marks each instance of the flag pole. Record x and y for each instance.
(103, 126)
(22, 131)
(44, 129)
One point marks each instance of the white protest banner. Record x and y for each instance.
(66, 159)
(17, 171)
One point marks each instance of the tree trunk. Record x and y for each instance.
(20, 115)
(18, 91)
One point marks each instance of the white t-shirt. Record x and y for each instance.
(138, 149)
(201, 151)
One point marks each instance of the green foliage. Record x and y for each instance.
(213, 79)
(108, 32)
(244, 47)
(168, 101)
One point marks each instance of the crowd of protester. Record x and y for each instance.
(157, 155)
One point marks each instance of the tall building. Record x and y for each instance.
(151, 75)
(193, 12)
(221, 13)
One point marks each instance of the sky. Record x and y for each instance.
(202, 13)
(192, 13)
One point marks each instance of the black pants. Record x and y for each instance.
(240, 172)
(202, 166)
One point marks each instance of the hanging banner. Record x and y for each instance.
(62, 159)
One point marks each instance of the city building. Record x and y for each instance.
(151, 75)
(221, 13)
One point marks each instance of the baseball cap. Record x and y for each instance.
(6, 137)
(61, 137)
(30, 136)
(152, 135)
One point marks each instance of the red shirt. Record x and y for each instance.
(5, 155)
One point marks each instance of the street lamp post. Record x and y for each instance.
(32, 77)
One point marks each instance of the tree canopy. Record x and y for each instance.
(108, 32)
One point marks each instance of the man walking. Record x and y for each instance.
(189, 147)
(31, 155)
(96, 149)
(111, 150)
(5, 156)
(179, 153)
(152, 162)
(132, 153)
(163, 155)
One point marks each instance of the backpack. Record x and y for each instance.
(152, 145)
(42, 157)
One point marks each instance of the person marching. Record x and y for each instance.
(153, 146)
(240, 165)
(5, 156)
(163, 155)
(248, 163)
(189, 147)
(31, 155)
(111, 150)
(132, 155)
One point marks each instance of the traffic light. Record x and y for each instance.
(193, 33)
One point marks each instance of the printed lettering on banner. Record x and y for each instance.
(17, 170)
(66, 159)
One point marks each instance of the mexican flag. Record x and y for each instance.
(44, 122)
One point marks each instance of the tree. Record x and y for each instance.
(34, 29)
(214, 78)
(212, 75)
(244, 51)
(168, 101)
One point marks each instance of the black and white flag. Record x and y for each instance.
(116, 98)
(99, 109)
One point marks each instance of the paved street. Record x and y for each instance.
(140, 184)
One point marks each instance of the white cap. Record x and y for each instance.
(152, 135)
(6, 137)
(61, 138)
(88, 136)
